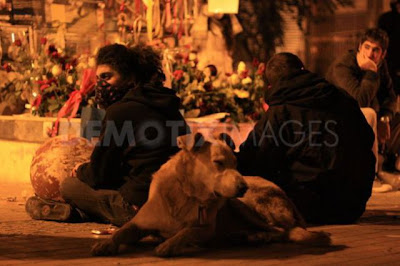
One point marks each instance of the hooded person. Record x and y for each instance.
(313, 142)
(138, 135)
(390, 23)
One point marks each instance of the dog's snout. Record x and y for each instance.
(242, 188)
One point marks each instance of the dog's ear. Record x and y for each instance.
(228, 140)
(191, 142)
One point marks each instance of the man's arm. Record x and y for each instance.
(103, 169)
(363, 89)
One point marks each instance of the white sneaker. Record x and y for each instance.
(382, 189)
(390, 179)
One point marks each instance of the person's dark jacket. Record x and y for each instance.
(390, 22)
(138, 135)
(315, 144)
(369, 88)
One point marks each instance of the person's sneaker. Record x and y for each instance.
(392, 179)
(40, 209)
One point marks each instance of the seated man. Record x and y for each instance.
(138, 135)
(313, 142)
(364, 75)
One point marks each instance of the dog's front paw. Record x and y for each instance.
(105, 248)
(167, 250)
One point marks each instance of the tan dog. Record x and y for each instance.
(191, 190)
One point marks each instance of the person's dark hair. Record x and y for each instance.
(138, 65)
(213, 70)
(282, 65)
(375, 35)
(393, 4)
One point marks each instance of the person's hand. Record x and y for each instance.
(365, 63)
(73, 172)
(383, 131)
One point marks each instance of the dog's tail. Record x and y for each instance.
(302, 236)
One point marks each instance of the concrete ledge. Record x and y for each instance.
(34, 129)
(21, 135)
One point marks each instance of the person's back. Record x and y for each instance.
(314, 143)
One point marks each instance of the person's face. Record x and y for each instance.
(373, 51)
(107, 73)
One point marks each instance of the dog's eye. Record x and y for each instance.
(219, 163)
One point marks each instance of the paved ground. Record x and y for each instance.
(374, 241)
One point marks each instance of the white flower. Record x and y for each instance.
(241, 67)
(246, 81)
(92, 62)
(70, 79)
(242, 94)
(192, 56)
(56, 70)
(81, 66)
(217, 83)
(207, 72)
(234, 79)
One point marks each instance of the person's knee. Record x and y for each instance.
(69, 186)
(370, 116)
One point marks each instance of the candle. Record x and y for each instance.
(13, 37)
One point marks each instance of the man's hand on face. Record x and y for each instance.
(365, 63)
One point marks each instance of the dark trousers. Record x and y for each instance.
(102, 205)
(325, 207)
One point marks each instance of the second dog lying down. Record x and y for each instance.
(193, 196)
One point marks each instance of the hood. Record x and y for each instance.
(302, 89)
(161, 98)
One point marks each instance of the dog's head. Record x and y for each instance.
(209, 168)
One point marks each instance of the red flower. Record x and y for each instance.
(37, 101)
(68, 66)
(261, 69)
(244, 74)
(55, 55)
(7, 67)
(185, 58)
(43, 41)
(255, 62)
(178, 74)
(44, 84)
(122, 7)
(265, 106)
(43, 87)
(18, 42)
(74, 62)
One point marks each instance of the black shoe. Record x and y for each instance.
(40, 209)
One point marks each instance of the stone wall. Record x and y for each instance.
(20, 136)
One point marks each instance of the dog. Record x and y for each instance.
(198, 197)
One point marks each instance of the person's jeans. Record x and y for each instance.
(371, 117)
(102, 205)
